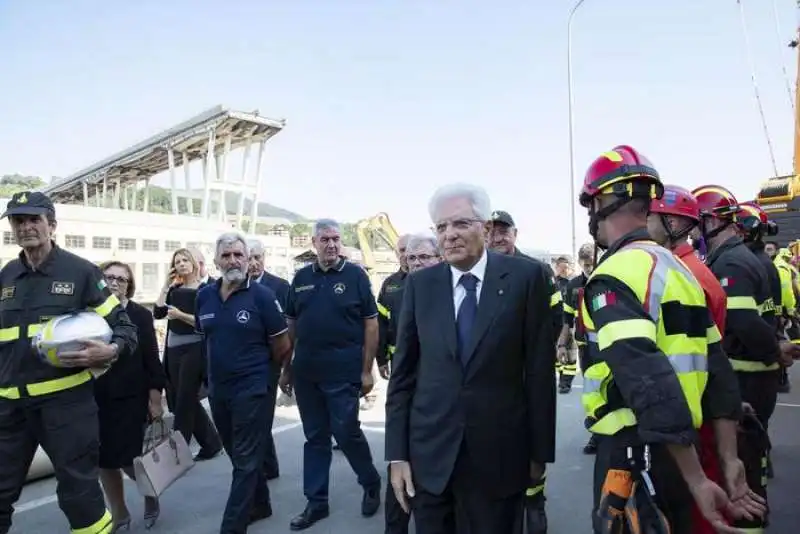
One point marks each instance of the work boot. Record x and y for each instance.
(564, 385)
(371, 501)
(784, 386)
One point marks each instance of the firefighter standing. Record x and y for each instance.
(672, 218)
(567, 338)
(39, 403)
(750, 339)
(650, 341)
(786, 271)
(389, 299)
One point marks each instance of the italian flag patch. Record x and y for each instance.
(101, 285)
(726, 282)
(608, 298)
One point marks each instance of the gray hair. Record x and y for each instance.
(477, 196)
(255, 246)
(325, 224)
(228, 239)
(417, 240)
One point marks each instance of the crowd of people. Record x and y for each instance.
(681, 320)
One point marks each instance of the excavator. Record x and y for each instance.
(780, 196)
(373, 232)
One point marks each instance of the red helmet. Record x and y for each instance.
(752, 217)
(716, 201)
(676, 201)
(613, 171)
(751, 209)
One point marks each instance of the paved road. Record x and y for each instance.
(194, 504)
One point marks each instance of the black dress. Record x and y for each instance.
(122, 394)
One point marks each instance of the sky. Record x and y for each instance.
(385, 100)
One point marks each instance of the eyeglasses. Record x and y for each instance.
(420, 257)
(458, 224)
(119, 280)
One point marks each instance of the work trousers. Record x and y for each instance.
(330, 408)
(241, 420)
(271, 467)
(65, 425)
(672, 495)
(760, 390)
(396, 518)
(567, 370)
(186, 366)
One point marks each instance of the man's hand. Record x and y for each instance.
(173, 312)
(789, 353)
(285, 382)
(561, 354)
(154, 405)
(383, 370)
(745, 503)
(94, 354)
(712, 501)
(402, 484)
(367, 382)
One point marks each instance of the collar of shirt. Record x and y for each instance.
(338, 266)
(45, 267)
(478, 270)
(257, 279)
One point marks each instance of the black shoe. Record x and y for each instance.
(591, 446)
(310, 515)
(371, 501)
(260, 511)
(564, 389)
(204, 455)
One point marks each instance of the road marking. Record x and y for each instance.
(50, 499)
(787, 405)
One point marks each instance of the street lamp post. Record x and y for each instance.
(572, 197)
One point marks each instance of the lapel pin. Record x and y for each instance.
(499, 291)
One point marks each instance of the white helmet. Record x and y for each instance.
(65, 332)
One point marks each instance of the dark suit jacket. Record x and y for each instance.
(502, 404)
(133, 374)
(276, 284)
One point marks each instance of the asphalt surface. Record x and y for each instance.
(194, 504)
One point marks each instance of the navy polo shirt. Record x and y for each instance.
(237, 335)
(329, 308)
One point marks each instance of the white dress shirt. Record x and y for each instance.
(478, 271)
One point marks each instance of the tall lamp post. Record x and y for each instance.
(572, 196)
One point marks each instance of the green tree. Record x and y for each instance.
(350, 236)
(14, 183)
(299, 230)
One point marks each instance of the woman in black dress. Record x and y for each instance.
(126, 396)
(184, 357)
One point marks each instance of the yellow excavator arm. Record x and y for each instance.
(376, 226)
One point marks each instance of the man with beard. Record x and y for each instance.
(333, 322)
(280, 287)
(245, 335)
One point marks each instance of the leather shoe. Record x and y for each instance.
(310, 515)
(371, 501)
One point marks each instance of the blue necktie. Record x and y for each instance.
(467, 312)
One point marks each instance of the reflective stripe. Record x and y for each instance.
(104, 526)
(534, 490)
(712, 335)
(555, 298)
(48, 386)
(383, 310)
(568, 309)
(107, 306)
(742, 303)
(766, 306)
(688, 363)
(613, 422)
(745, 366)
(12, 332)
(625, 329)
(391, 349)
(569, 369)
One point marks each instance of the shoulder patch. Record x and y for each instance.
(8, 292)
(726, 281)
(101, 284)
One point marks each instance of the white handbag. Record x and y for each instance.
(166, 458)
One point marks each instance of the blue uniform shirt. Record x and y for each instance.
(237, 335)
(329, 308)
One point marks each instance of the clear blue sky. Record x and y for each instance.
(386, 99)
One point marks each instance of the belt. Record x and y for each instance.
(48, 386)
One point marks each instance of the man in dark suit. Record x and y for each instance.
(280, 286)
(470, 410)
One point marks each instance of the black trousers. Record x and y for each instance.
(465, 508)
(672, 494)
(65, 425)
(186, 366)
(396, 518)
(242, 423)
(271, 467)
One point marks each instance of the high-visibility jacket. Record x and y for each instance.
(787, 287)
(656, 317)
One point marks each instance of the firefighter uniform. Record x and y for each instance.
(651, 343)
(44, 405)
(788, 311)
(389, 299)
(751, 344)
